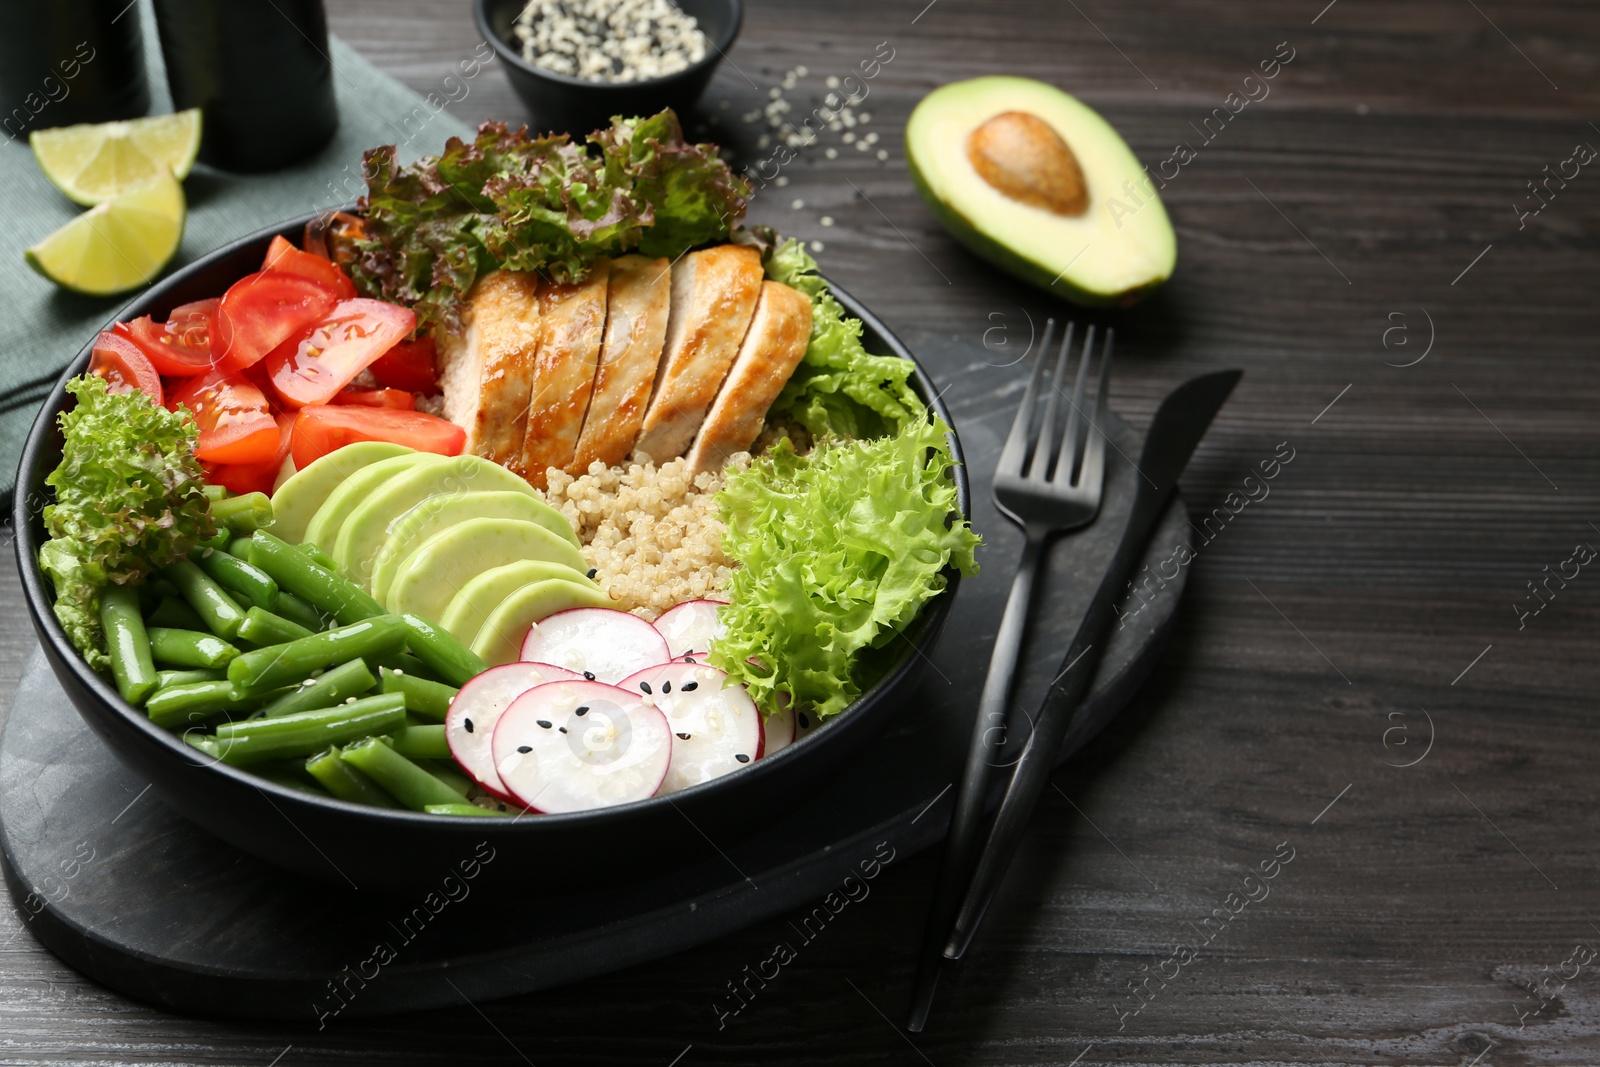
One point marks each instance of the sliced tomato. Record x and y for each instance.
(255, 477)
(124, 366)
(236, 425)
(409, 365)
(261, 311)
(313, 368)
(284, 256)
(398, 399)
(181, 347)
(321, 429)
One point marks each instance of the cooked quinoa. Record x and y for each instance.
(652, 534)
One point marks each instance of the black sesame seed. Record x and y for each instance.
(524, 749)
(741, 757)
(582, 711)
(688, 687)
(543, 722)
(666, 687)
(645, 686)
(688, 658)
(592, 572)
(589, 675)
(502, 807)
(683, 737)
(805, 723)
(468, 724)
(563, 729)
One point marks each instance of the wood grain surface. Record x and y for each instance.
(1361, 617)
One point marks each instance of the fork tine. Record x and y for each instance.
(1094, 453)
(1044, 440)
(1016, 446)
(1068, 458)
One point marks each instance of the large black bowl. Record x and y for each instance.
(398, 850)
(565, 104)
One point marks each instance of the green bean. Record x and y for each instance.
(309, 732)
(342, 780)
(128, 643)
(322, 589)
(447, 772)
(293, 661)
(243, 548)
(296, 610)
(237, 576)
(421, 742)
(218, 540)
(204, 743)
(215, 493)
(462, 809)
(452, 661)
(407, 782)
(220, 611)
(262, 627)
(175, 614)
(189, 648)
(153, 590)
(329, 688)
(423, 697)
(243, 514)
(195, 702)
(319, 557)
(168, 679)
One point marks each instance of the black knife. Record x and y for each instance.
(1179, 424)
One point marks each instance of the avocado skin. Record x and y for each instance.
(991, 250)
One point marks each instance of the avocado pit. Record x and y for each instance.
(1024, 158)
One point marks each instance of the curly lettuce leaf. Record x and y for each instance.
(838, 551)
(129, 499)
(839, 389)
(538, 204)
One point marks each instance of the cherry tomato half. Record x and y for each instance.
(180, 348)
(124, 366)
(255, 477)
(261, 311)
(312, 369)
(283, 256)
(236, 425)
(409, 365)
(398, 399)
(321, 429)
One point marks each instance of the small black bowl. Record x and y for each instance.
(563, 104)
(401, 850)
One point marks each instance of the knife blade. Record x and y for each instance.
(1175, 431)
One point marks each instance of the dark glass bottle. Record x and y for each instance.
(69, 61)
(259, 72)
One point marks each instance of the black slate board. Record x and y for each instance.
(133, 896)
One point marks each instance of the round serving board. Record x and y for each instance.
(143, 901)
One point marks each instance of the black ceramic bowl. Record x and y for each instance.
(398, 850)
(565, 104)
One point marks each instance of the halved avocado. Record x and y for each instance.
(295, 502)
(476, 600)
(1036, 182)
(499, 639)
(323, 529)
(436, 571)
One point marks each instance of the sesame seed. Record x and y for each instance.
(848, 137)
(468, 724)
(783, 179)
(816, 246)
(593, 572)
(397, 672)
(832, 153)
(832, 82)
(798, 204)
(688, 687)
(582, 711)
(801, 70)
(349, 700)
(683, 737)
(827, 220)
(524, 749)
(609, 40)
(645, 686)
(544, 723)
(774, 92)
(589, 675)
(666, 687)
(805, 723)
(883, 153)
(741, 757)
(563, 729)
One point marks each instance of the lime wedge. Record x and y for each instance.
(119, 245)
(94, 162)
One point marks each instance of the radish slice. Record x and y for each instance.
(715, 729)
(470, 722)
(573, 746)
(777, 731)
(601, 644)
(690, 627)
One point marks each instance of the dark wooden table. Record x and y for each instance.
(1352, 682)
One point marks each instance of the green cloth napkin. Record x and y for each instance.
(44, 327)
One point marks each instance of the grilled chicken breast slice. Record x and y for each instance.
(486, 371)
(638, 301)
(773, 346)
(713, 298)
(572, 322)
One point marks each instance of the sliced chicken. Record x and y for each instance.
(572, 322)
(713, 298)
(772, 348)
(638, 301)
(486, 372)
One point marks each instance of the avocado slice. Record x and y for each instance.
(447, 561)
(1036, 182)
(365, 530)
(499, 639)
(323, 529)
(296, 501)
(408, 533)
(476, 600)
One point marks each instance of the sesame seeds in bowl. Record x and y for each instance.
(610, 40)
